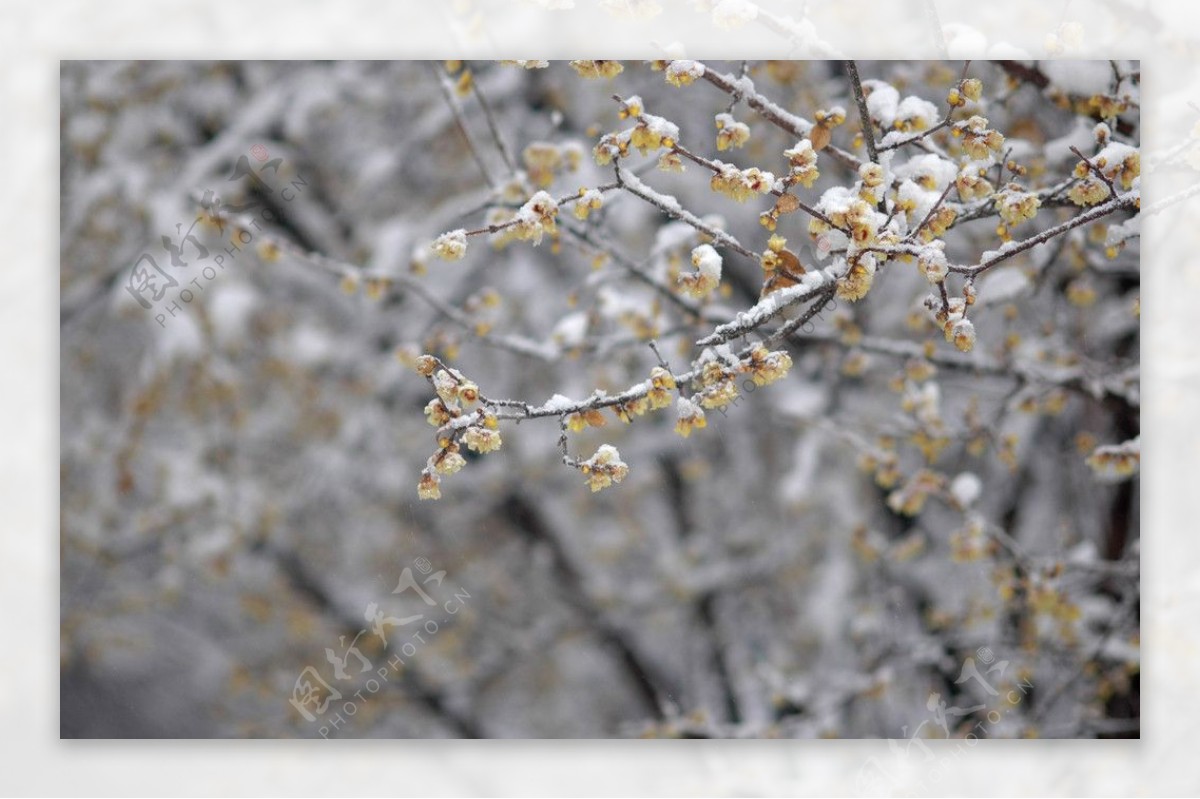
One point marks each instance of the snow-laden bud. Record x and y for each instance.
(707, 275)
(932, 263)
(962, 333)
(604, 468)
(451, 246)
(688, 417)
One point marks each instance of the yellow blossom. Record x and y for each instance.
(597, 69)
(428, 487)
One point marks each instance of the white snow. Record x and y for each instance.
(558, 403)
(915, 109)
(1079, 77)
(686, 409)
(707, 261)
(966, 488)
(684, 67)
(941, 171)
(882, 102)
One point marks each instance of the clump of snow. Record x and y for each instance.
(684, 70)
(686, 409)
(883, 101)
(707, 261)
(966, 488)
(917, 112)
(929, 168)
(558, 403)
(663, 128)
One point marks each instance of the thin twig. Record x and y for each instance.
(501, 145)
(776, 114)
(868, 127)
(456, 109)
(674, 210)
(1099, 212)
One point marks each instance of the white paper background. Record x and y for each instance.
(33, 37)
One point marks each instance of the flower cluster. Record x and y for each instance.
(662, 383)
(978, 142)
(858, 279)
(741, 184)
(683, 72)
(970, 89)
(765, 366)
(598, 69)
(871, 183)
(779, 259)
(589, 200)
(951, 320)
(446, 412)
(451, 246)
(707, 275)
(604, 468)
(1120, 163)
(653, 133)
(543, 160)
(972, 184)
(688, 417)
(1117, 461)
(803, 162)
(1088, 192)
(535, 218)
(578, 421)
(914, 115)
(1016, 205)
(932, 262)
(717, 385)
(730, 132)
